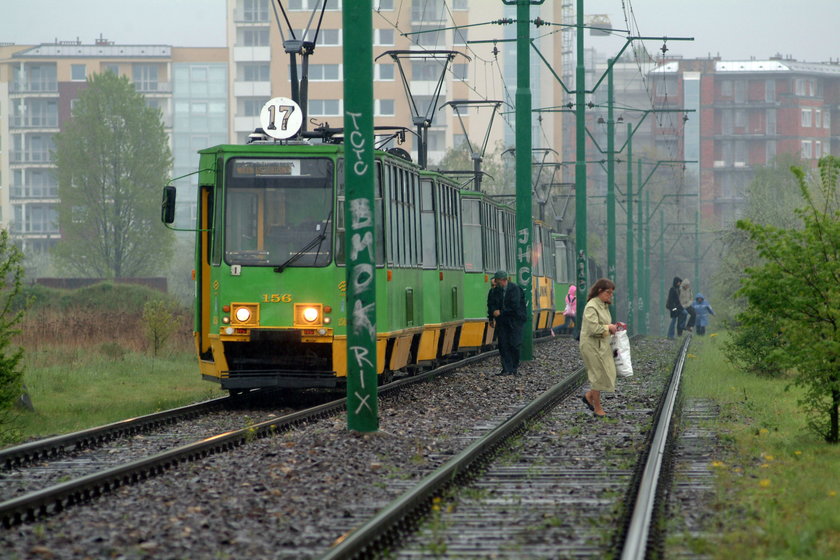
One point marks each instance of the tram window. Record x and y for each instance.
(471, 213)
(279, 209)
(490, 237)
(340, 232)
(427, 223)
(561, 261)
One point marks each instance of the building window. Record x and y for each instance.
(740, 119)
(430, 36)
(255, 10)
(771, 121)
(324, 72)
(145, 77)
(112, 68)
(770, 91)
(806, 118)
(741, 91)
(769, 151)
(384, 72)
(383, 37)
(332, 5)
(806, 149)
(254, 71)
(384, 107)
(459, 36)
(254, 37)
(428, 10)
(77, 72)
(827, 120)
(726, 88)
(326, 37)
(460, 5)
(817, 118)
(426, 70)
(817, 149)
(460, 71)
(251, 106)
(325, 107)
(384, 5)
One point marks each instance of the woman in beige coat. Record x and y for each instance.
(595, 347)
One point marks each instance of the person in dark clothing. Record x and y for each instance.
(494, 301)
(673, 306)
(509, 315)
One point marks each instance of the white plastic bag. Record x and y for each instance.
(620, 343)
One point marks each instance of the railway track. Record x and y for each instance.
(519, 492)
(29, 487)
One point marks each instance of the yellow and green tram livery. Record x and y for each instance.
(270, 306)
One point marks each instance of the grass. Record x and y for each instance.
(777, 484)
(88, 360)
(89, 388)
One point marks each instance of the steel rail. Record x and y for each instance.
(635, 545)
(57, 445)
(58, 497)
(404, 511)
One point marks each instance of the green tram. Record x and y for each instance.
(270, 307)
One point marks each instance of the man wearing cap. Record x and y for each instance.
(509, 316)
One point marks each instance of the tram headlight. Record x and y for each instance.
(245, 315)
(242, 314)
(310, 314)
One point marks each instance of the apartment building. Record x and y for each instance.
(38, 87)
(750, 111)
(485, 69)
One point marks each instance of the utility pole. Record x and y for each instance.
(362, 394)
(630, 292)
(524, 227)
(610, 182)
(580, 168)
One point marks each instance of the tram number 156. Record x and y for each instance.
(277, 298)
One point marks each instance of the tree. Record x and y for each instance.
(772, 198)
(797, 289)
(11, 314)
(113, 158)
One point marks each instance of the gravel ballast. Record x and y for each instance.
(291, 495)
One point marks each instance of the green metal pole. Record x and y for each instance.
(648, 288)
(662, 317)
(524, 229)
(610, 182)
(362, 397)
(640, 258)
(630, 293)
(580, 168)
(696, 252)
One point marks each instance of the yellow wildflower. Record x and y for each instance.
(797, 452)
(713, 334)
(764, 482)
(737, 469)
(690, 356)
(717, 464)
(764, 465)
(768, 457)
(832, 493)
(763, 431)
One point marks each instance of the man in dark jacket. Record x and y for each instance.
(672, 304)
(509, 314)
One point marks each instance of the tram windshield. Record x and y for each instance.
(278, 211)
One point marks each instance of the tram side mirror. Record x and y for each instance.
(167, 207)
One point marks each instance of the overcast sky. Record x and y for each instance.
(807, 30)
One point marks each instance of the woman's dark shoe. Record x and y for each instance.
(586, 402)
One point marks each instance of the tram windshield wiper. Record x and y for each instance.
(317, 240)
